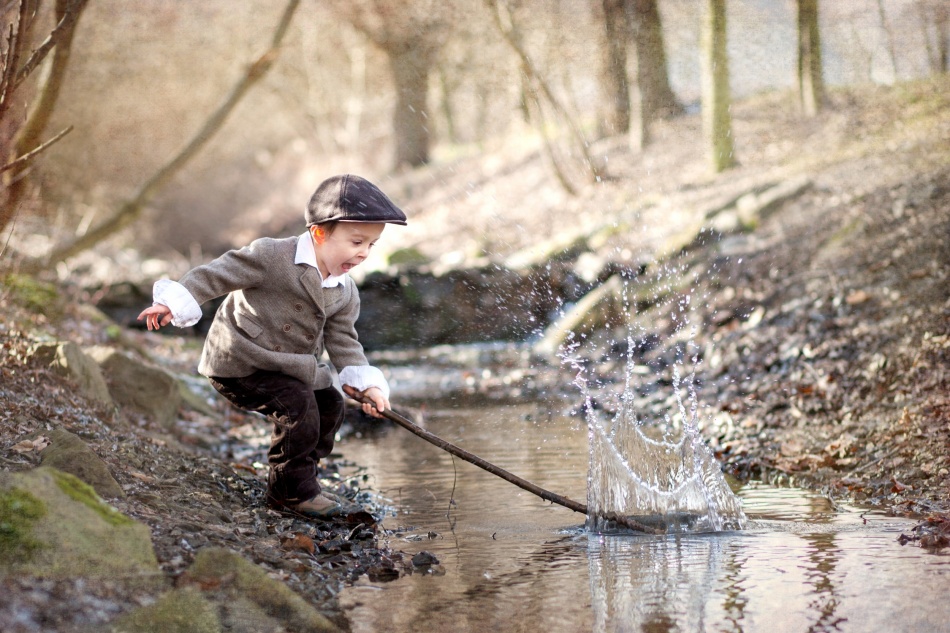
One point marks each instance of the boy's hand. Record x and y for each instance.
(373, 393)
(156, 316)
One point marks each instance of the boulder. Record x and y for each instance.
(68, 453)
(69, 360)
(255, 601)
(139, 387)
(56, 526)
(178, 611)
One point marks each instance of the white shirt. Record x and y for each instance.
(186, 312)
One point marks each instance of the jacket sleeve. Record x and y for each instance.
(235, 270)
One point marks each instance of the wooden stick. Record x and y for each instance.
(500, 472)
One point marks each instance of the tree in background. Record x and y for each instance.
(614, 86)
(811, 85)
(935, 23)
(717, 122)
(658, 98)
(410, 34)
(27, 140)
(636, 21)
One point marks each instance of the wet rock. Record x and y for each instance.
(424, 558)
(68, 359)
(69, 453)
(61, 528)
(251, 595)
(147, 390)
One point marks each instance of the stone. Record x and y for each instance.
(68, 359)
(69, 453)
(178, 611)
(139, 387)
(60, 528)
(251, 594)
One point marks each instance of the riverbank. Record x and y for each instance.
(817, 339)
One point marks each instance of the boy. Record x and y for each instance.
(288, 300)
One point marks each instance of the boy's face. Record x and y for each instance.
(347, 246)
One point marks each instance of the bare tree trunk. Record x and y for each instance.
(131, 210)
(659, 101)
(639, 132)
(717, 122)
(942, 25)
(811, 86)
(356, 104)
(42, 111)
(613, 71)
(28, 145)
(889, 35)
(447, 87)
(410, 70)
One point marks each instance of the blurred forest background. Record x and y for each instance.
(401, 91)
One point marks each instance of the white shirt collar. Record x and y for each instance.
(306, 255)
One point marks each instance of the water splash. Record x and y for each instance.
(661, 474)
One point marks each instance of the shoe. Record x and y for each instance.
(349, 507)
(319, 507)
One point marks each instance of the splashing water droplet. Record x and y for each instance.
(662, 474)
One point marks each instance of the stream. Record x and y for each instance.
(509, 561)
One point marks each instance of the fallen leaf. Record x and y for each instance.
(856, 297)
(143, 477)
(298, 542)
(28, 446)
(898, 486)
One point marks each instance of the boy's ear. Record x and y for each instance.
(318, 234)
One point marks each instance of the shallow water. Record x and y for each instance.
(509, 561)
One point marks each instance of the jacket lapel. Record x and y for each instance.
(312, 284)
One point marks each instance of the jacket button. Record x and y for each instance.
(298, 307)
(286, 327)
(277, 348)
(311, 337)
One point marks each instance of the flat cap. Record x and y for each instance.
(349, 198)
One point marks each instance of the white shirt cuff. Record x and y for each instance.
(363, 377)
(185, 310)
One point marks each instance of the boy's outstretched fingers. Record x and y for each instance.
(156, 316)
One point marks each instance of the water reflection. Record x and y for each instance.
(648, 584)
(511, 562)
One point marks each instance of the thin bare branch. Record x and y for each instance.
(129, 211)
(11, 57)
(505, 25)
(72, 12)
(26, 158)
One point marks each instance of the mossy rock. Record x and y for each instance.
(56, 526)
(35, 295)
(19, 512)
(178, 611)
(69, 453)
(251, 594)
(410, 256)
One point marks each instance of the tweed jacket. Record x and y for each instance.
(276, 316)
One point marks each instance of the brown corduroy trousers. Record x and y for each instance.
(305, 424)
